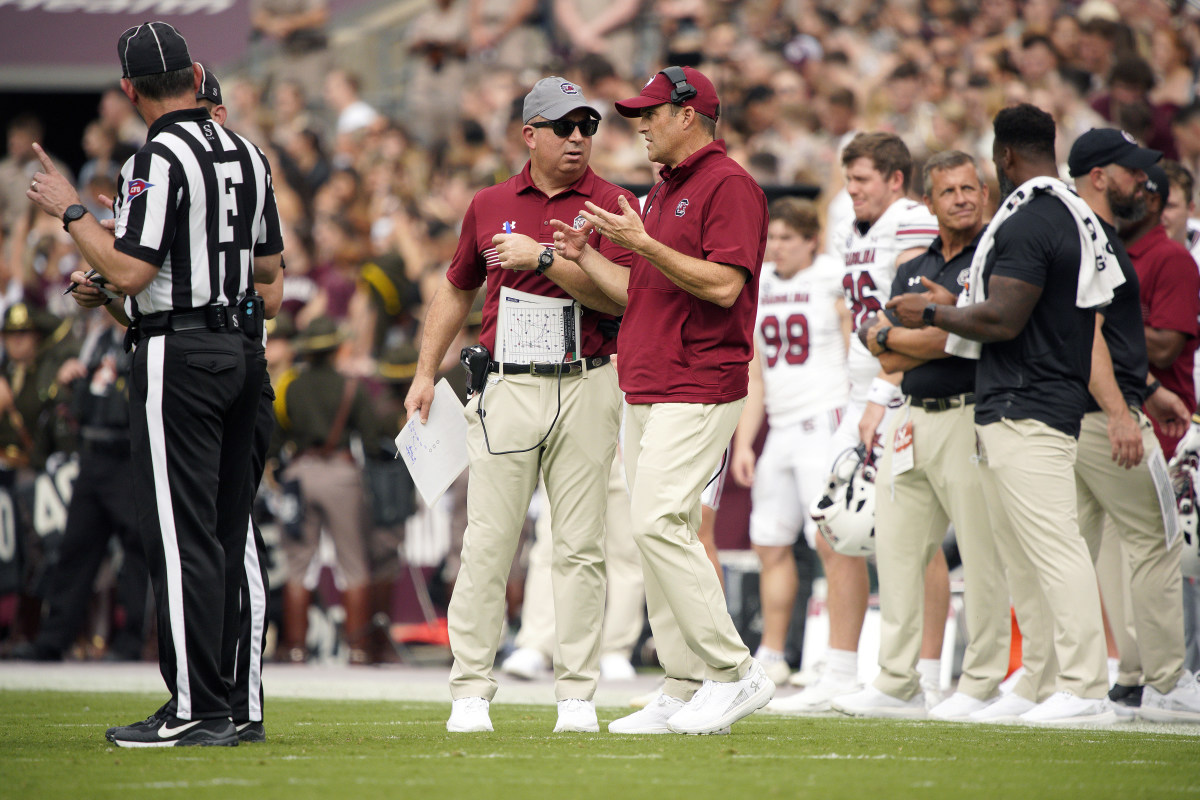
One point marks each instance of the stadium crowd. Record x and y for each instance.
(373, 182)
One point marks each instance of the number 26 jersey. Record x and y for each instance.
(870, 268)
(798, 335)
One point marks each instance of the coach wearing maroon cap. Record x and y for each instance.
(548, 403)
(685, 342)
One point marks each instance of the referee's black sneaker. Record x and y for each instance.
(149, 723)
(166, 730)
(250, 731)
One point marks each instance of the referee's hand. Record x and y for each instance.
(50, 190)
(86, 293)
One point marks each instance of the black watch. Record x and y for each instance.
(544, 261)
(881, 337)
(928, 313)
(72, 213)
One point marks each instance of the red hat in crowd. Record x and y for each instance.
(681, 86)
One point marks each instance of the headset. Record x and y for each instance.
(681, 90)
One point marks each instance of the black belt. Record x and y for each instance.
(550, 367)
(213, 318)
(944, 403)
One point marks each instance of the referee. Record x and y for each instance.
(196, 226)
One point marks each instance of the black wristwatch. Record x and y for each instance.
(928, 313)
(881, 337)
(544, 261)
(72, 213)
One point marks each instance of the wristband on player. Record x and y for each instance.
(1153, 387)
(882, 392)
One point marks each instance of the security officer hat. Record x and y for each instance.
(282, 326)
(321, 336)
(20, 317)
(399, 363)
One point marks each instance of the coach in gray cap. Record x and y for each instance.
(552, 401)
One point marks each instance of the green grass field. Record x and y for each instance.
(52, 746)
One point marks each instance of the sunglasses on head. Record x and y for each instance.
(563, 127)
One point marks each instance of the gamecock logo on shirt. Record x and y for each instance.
(681, 209)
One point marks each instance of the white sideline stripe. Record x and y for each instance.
(258, 620)
(155, 357)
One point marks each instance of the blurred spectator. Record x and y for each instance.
(18, 167)
(118, 116)
(438, 40)
(299, 28)
(601, 27)
(507, 33)
(1128, 98)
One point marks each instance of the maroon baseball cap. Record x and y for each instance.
(658, 90)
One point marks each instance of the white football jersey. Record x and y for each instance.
(798, 335)
(870, 267)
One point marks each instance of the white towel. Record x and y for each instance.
(1099, 271)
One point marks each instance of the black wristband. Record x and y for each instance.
(928, 314)
(1153, 387)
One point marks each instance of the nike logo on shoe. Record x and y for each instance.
(167, 732)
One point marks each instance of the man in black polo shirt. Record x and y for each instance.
(1109, 172)
(927, 477)
(1031, 386)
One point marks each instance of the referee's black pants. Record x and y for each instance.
(193, 403)
(246, 696)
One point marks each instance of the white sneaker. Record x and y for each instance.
(717, 705)
(1004, 710)
(525, 663)
(616, 667)
(651, 719)
(469, 715)
(870, 702)
(816, 698)
(933, 697)
(1181, 704)
(958, 707)
(1064, 708)
(577, 716)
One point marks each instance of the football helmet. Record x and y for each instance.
(845, 512)
(1183, 479)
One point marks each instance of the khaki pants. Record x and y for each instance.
(574, 462)
(332, 493)
(1030, 478)
(1129, 499)
(626, 594)
(912, 513)
(670, 452)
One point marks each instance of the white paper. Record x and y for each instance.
(1166, 496)
(533, 329)
(436, 452)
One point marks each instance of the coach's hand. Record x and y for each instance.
(419, 399)
(741, 465)
(1169, 411)
(517, 251)
(50, 190)
(571, 242)
(624, 229)
(1125, 436)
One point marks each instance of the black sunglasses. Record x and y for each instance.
(563, 127)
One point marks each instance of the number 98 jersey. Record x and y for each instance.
(870, 268)
(798, 336)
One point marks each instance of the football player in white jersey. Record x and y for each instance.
(799, 381)
(887, 230)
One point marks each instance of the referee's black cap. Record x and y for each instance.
(150, 49)
(1100, 147)
(210, 87)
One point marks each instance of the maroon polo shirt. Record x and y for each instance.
(675, 347)
(526, 209)
(1170, 292)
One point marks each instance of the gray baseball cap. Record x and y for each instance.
(554, 98)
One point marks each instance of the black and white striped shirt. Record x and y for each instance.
(197, 202)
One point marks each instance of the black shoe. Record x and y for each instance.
(149, 723)
(250, 732)
(171, 731)
(1126, 700)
